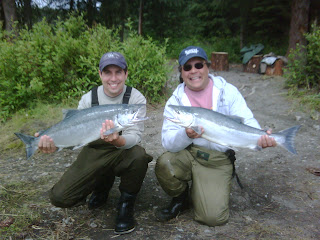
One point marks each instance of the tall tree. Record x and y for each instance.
(24, 12)
(140, 17)
(10, 13)
(299, 23)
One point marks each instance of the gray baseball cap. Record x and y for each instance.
(191, 52)
(112, 58)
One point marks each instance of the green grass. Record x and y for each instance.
(306, 101)
(17, 207)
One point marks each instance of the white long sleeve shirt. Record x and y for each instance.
(226, 99)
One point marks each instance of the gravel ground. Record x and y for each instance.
(280, 199)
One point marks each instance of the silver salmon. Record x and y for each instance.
(228, 131)
(80, 127)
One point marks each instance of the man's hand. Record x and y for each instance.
(193, 134)
(46, 144)
(266, 141)
(113, 138)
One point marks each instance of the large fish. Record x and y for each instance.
(80, 127)
(228, 131)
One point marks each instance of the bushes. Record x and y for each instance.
(303, 73)
(55, 62)
(304, 63)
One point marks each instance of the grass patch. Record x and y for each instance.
(18, 209)
(306, 101)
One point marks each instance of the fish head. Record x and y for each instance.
(131, 115)
(181, 116)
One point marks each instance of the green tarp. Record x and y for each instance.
(249, 52)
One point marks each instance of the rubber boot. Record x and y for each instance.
(125, 222)
(99, 197)
(177, 205)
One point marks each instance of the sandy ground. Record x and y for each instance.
(280, 199)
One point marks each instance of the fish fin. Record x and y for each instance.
(257, 148)
(40, 132)
(289, 135)
(236, 118)
(69, 112)
(197, 129)
(29, 142)
(233, 148)
(78, 146)
(111, 130)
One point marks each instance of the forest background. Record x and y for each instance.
(50, 49)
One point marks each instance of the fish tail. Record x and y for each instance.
(29, 142)
(289, 135)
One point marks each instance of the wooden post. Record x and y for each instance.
(219, 61)
(253, 65)
(275, 68)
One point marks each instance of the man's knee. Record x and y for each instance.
(58, 199)
(139, 156)
(163, 166)
(213, 219)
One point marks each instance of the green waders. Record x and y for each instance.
(99, 161)
(211, 174)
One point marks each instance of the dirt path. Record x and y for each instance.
(280, 199)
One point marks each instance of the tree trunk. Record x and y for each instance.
(1, 15)
(27, 11)
(123, 18)
(276, 68)
(140, 17)
(71, 3)
(90, 12)
(253, 65)
(299, 23)
(10, 13)
(219, 61)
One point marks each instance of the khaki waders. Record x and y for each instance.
(211, 174)
(97, 163)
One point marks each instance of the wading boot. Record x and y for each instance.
(99, 197)
(177, 205)
(125, 221)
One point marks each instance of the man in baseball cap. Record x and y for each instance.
(191, 157)
(117, 154)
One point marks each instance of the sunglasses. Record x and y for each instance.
(188, 67)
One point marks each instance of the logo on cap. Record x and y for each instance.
(112, 55)
(190, 51)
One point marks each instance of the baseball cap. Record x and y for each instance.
(191, 52)
(112, 58)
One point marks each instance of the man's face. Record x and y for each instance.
(195, 79)
(113, 79)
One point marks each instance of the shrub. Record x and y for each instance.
(303, 72)
(60, 61)
(304, 63)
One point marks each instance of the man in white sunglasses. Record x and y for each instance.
(211, 177)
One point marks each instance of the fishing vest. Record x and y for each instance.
(95, 101)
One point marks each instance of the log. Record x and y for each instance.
(253, 65)
(275, 68)
(219, 61)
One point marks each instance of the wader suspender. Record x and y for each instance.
(95, 101)
(232, 156)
